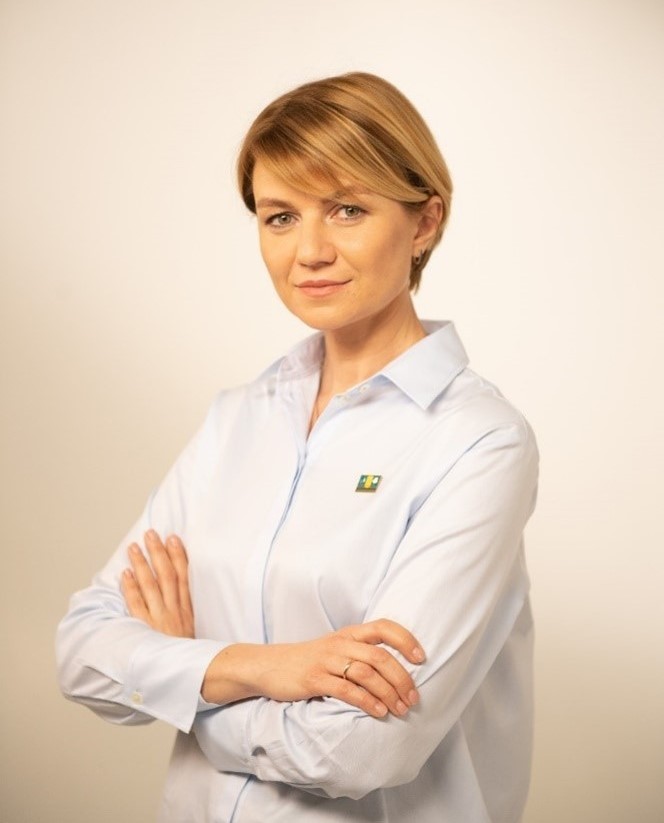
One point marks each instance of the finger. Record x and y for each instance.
(383, 677)
(164, 572)
(398, 683)
(146, 581)
(132, 595)
(354, 695)
(178, 557)
(392, 633)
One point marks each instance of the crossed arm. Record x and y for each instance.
(347, 664)
(465, 545)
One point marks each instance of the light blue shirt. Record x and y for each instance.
(284, 548)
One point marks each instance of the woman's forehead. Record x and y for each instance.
(266, 179)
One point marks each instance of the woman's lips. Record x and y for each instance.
(321, 288)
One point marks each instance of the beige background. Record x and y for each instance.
(132, 290)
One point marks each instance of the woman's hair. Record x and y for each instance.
(355, 127)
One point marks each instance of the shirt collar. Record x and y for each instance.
(303, 360)
(422, 372)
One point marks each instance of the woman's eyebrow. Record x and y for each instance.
(272, 203)
(338, 196)
(350, 191)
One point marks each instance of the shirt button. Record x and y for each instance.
(137, 698)
(364, 388)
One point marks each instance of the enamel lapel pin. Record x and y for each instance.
(368, 482)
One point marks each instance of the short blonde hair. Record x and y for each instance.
(355, 127)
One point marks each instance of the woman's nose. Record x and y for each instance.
(314, 244)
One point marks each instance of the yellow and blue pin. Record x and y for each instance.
(368, 482)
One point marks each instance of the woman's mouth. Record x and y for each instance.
(321, 288)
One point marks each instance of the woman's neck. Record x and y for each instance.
(355, 353)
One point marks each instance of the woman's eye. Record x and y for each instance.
(280, 220)
(350, 212)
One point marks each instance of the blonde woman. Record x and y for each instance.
(347, 634)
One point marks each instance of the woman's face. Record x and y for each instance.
(339, 260)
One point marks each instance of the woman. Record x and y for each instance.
(347, 635)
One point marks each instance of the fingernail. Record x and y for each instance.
(134, 549)
(381, 710)
(172, 540)
(401, 707)
(413, 697)
(151, 534)
(418, 654)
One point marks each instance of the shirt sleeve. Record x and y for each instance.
(117, 665)
(458, 582)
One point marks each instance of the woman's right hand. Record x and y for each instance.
(347, 664)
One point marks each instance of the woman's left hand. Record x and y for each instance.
(159, 594)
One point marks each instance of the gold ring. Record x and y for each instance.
(346, 667)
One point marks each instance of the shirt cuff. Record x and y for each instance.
(165, 675)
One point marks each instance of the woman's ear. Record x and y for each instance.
(429, 219)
